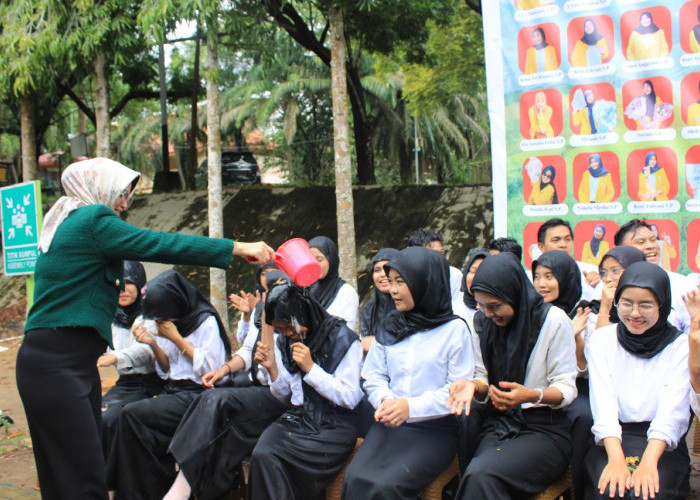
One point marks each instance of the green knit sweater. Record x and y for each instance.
(78, 280)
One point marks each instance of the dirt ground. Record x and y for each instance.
(18, 478)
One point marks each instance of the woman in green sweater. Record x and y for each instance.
(78, 276)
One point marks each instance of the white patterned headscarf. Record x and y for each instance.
(97, 181)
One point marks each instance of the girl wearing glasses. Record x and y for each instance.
(638, 372)
(78, 278)
(421, 348)
(516, 440)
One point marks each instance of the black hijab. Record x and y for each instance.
(325, 290)
(468, 297)
(552, 174)
(653, 28)
(625, 255)
(288, 303)
(381, 303)
(568, 277)
(506, 350)
(171, 296)
(257, 314)
(655, 339)
(135, 274)
(427, 275)
(590, 38)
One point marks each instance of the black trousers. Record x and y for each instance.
(673, 467)
(139, 465)
(58, 381)
(218, 431)
(581, 418)
(290, 464)
(397, 463)
(128, 389)
(520, 466)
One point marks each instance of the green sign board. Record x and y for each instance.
(21, 222)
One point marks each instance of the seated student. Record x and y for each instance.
(638, 371)
(249, 304)
(221, 427)
(638, 233)
(316, 368)
(133, 360)
(433, 240)
(556, 234)
(518, 441)
(555, 276)
(381, 303)
(191, 342)
(467, 308)
(420, 350)
(500, 245)
(337, 297)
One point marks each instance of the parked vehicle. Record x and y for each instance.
(237, 167)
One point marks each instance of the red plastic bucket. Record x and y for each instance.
(294, 257)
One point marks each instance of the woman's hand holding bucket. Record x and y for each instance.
(255, 253)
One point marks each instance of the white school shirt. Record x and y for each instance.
(246, 353)
(467, 314)
(694, 401)
(587, 291)
(209, 354)
(245, 328)
(627, 388)
(456, 284)
(133, 357)
(680, 286)
(552, 362)
(341, 388)
(345, 305)
(420, 368)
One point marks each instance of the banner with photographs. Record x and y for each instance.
(595, 117)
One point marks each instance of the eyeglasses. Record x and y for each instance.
(492, 308)
(644, 308)
(613, 273)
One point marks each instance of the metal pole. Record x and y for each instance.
(416, 146)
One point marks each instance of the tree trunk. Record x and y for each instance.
(341, 142)
(102, 135)
(192, 163)
(217, 277)
(364, 150)
(28, 138)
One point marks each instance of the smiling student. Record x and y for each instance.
(421, 348)
(518, 440)
(380, 304)
(639, 396)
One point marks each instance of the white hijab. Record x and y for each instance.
(97, 181)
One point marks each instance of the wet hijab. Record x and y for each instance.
(506, 349)
(133, 273)
(427, 275)
(591, 38)
(97, 181)
(325, 290)
(652, 28)
(288, 303)
(655, 339)
(597, 172)
(625, 255)
(567, 274)
(171, 296)
(468, 297)
(381, 303)
(552, 174)
(257, 314)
